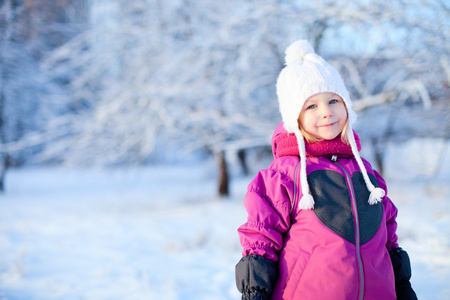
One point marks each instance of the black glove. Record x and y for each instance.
(402, 272)
(256, 277)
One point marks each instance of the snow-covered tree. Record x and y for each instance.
(149, 77)
(29, 99)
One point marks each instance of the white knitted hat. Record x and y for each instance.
(307, 74)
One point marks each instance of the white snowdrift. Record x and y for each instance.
(161, 233)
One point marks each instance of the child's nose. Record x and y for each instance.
(326, 112)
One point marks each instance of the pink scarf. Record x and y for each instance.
(286, 145)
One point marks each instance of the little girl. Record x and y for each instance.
(320, 225)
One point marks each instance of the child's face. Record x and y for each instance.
(323, 116)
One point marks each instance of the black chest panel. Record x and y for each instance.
(333, 206)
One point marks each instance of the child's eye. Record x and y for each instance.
(334, 101)
(311, 106)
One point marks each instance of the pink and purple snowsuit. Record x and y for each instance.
(338, 250)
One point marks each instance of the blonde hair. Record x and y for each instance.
(311, 139)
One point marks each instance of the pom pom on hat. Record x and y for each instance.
(297, 51)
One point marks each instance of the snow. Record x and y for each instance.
(152, 233)
(160, 232)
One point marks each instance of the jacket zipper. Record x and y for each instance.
(358, 235)
(295, 190)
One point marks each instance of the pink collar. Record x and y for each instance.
(286, 145)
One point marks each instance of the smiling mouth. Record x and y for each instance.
(328, 125)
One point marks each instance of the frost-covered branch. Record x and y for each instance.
(147, 75)
(373, 100)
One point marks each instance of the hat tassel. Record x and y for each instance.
(376, 195)
(306, 202)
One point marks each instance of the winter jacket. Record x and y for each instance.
(338, 250)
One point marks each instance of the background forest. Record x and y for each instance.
(184, 92)
(112, 83)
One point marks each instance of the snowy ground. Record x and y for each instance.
(161, 233)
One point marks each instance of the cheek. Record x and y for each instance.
(307, 122)
(343, 113)
(303, 120)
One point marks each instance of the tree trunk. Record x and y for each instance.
(3, 162)
(2, 173)
(3, 155)
(223, 174)
(378, 154)
(242, 155)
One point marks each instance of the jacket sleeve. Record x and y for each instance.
(391, 216)
(268, 203)
(268, 206)
(399, 258)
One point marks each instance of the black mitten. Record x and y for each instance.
(256, 277)
(402, 272)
